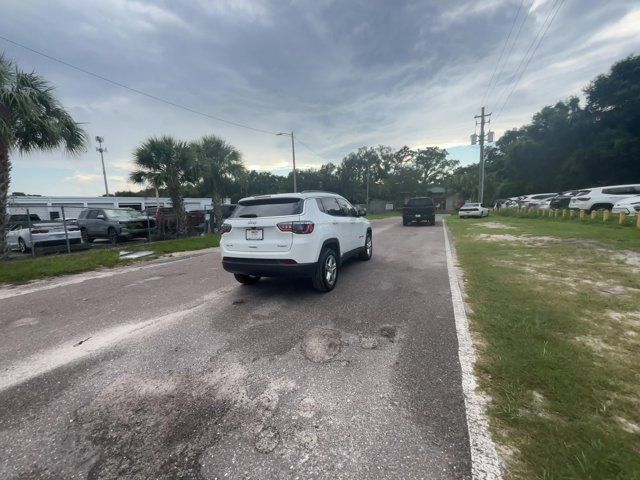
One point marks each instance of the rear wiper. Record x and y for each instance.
(248, 215)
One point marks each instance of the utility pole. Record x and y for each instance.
(481, 140)
(104, 172)
(293, 153)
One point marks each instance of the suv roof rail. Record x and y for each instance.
(318, 191)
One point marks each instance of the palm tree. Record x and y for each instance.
(164, 162)
(218, 163)
(31, 118)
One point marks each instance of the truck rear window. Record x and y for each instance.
(420, 202)
(268, 207)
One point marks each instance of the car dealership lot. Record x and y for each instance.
(172, 368)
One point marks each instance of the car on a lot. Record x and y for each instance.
(602, 198)
(473, 210)
(113, 224)
(22, 219)
(165, 217)
(630, 206)
(535, 200)
(419, 209)
(307, 234)
(43, 234)
(562, 200)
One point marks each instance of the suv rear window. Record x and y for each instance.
(420, 202)
(268, 207)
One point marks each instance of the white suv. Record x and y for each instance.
(602, 198)
(306, 234)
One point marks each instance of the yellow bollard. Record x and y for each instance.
(555, 213)
(572, 213)
(623, 217)
(594, 214)
(582, 215)
(606, 215)
(564, 212)
(638, 220)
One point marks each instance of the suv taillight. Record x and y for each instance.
(583, 199)
(225, 228)
(39, 230)
(300, 228)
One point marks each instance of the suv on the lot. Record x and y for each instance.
(113, 223)
(602, 198)
(306, 234)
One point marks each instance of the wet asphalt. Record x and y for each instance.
(171, 369)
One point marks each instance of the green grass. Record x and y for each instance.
(380, 216)
(24, 270)
(557, 356)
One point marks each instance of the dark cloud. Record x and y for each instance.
(340, 73)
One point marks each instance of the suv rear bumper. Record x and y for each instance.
(264, 267)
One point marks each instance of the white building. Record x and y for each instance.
(49, 208)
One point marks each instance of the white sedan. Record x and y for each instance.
(473, 210)
(43, 234)
(630, 206)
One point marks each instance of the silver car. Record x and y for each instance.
(43, 234)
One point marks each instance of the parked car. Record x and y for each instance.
(22, 219)
(307, 234)
(535, 200)
(562, 200)
(166, 217)
(43, 234)
(473, 210)
(630, 206)
(113, 224)
(603, 198)
(419, 209)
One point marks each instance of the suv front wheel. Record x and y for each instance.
(326, 276)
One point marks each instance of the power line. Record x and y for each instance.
(513, 44)
(504, 47)
(541, 34)
(309, 148)
(135, 90)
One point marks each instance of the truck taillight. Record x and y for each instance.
(225, 228)
(300, 228)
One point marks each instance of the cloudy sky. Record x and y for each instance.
(341, 74)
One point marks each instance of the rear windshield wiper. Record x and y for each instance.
(248, 215)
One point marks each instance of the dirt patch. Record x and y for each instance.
(627, 425)
(321, 344)
(267, 440)
(529, 240)
(389, 332)
(368, 343)
(496, 225)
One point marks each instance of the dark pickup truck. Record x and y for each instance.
(419, 209)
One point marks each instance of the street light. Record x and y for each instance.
(104, 172)
(293, 153)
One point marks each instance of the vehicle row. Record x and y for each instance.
(616, 198)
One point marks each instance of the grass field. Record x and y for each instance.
(556, 318)
(380, 216)
(24, 270)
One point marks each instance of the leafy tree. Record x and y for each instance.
(31, 118)
(164, 162)
(219, 164)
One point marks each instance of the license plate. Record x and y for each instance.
(254, 233)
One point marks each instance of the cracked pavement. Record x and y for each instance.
(174, 370)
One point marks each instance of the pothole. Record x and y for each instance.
(321, 344)
(267, 440)
(389, 332)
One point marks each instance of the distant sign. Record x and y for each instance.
(388, 206)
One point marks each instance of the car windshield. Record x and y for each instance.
(268, 207)
(123, 214)
(420, 202)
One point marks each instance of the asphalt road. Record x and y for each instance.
(173, 370)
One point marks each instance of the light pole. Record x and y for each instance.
(293, 153)
(104, 172)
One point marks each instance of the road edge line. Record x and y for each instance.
(485, 461)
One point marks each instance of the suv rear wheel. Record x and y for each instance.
(247, 279)
(113, 235)
(326, 276)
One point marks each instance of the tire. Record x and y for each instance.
(85, 236)
(326, 275)
(367, 253)
(247, 279)
(113, 235)
(22, 246)
(601, 206)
